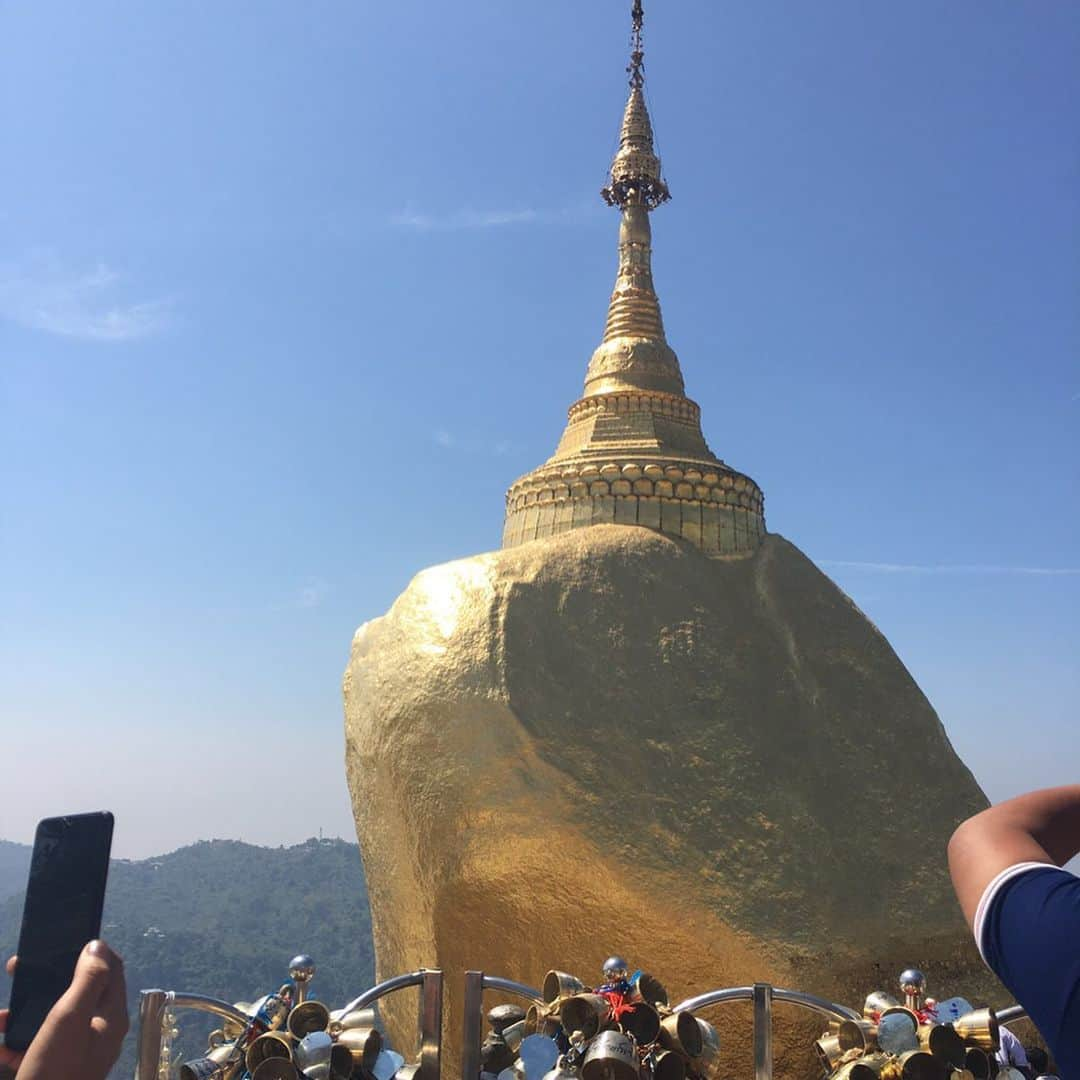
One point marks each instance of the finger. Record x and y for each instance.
(94, 971)
(10, 965)
(8, 1058)
(113, 1005)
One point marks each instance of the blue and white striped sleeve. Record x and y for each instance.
(1027, 928)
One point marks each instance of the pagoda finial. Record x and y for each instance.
(637, 55)
(635, 172)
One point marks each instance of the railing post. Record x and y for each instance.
(473, 1027)
(151, 1011)
(431, 1009)
(763, 1066)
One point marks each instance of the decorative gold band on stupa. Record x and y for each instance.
(632, 452)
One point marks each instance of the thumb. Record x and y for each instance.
(95, 969)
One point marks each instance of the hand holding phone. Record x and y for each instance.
(82, 1034)
(65, 895)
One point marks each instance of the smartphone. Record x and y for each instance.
(65, 895)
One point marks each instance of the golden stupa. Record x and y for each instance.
(632, 452)
(669, 736)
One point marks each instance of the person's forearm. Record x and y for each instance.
(1038, 827)
(1051, 818)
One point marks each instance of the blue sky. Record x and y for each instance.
(290, 293)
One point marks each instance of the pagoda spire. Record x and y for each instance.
(636, 186)
(633, 452)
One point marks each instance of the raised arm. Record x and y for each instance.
(1042, 826)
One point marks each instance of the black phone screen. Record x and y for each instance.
(65, 895)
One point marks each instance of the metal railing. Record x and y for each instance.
(155, 1004)
(763, 995)
(476, 982)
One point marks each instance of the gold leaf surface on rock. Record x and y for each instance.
(607, 742)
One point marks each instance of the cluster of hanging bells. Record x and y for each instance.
(288, 1037)
(623, 1029)
(919, 1039)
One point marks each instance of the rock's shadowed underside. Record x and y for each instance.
(607, 742)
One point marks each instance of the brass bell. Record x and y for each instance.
(341, 1021)
(980, 1028)
(680, 1032)
(221, 1063)
(922, 1065)
(363, 1044)
(586, 1013)
(272, 1044)
(559, 984)
(978, 1063)
(668, 1065)
(856, 1070)
(829, 1051)
(513, 1035)
(611, 1056)
(875, 1061)
(274, 1069)
(707, 1064)
(308, 1017)
(342, 1065)
(649, 988)
(642, 1022)
(861, 1034)
(539, 1020)
(893, 1010)
(943, 1042)
(876, 1003)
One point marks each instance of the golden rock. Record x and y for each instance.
(608, 742)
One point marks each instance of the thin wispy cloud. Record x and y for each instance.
(469, 218)
(953, 568)
(473, 446)
(40, 293)
(462, 219)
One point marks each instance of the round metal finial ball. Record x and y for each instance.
(615, 967)
(914, 979)
(301, 968)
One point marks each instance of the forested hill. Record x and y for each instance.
(14, 863)
(223, 918)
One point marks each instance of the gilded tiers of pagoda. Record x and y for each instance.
(633, 452)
